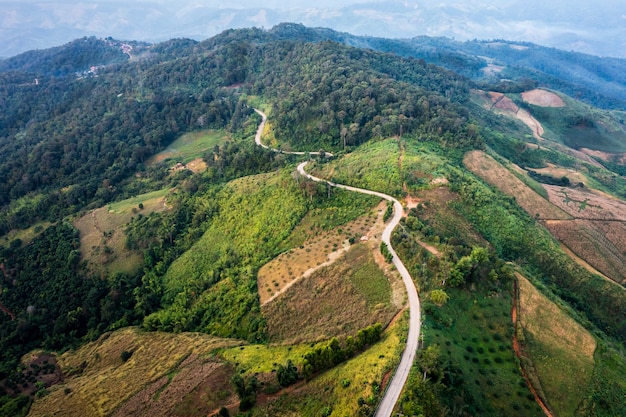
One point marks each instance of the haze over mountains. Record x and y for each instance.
(597, 27)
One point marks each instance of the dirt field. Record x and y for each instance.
(619, 158)
(163, 369)
(557, 172)
(337, 302)
(543, 98)
(584, 203)
(601, 244)
(499, 103)
(322, 249)
(497, 175)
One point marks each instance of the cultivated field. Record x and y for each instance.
(102, 238)
(190, 146)
(543, 98)
(320, 248)
(163, 369)
(599, 243)
(497, 175)
(338, 299)
(560, 349)
(584, 203)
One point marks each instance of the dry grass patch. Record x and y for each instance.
(499, 176)
(560, 349)
(584, 203)
(320, 249)
(601, 244)
(98, 383)
(102, 238)
(332, 301)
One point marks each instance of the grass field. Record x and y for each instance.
(561, 350)
(25, 235)
(102, 238)
(190, 146)
(338, 391)
(163, 369)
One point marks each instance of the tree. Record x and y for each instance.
(439, 297)
(287, 375)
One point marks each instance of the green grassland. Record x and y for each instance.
(374, 165)
(212, 286)
(190, 146)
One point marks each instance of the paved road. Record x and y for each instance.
(385, 408)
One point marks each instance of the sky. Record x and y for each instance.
(597, 27)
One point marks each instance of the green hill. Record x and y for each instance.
(103, 230)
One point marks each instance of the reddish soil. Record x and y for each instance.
(543, 98)
(519, 352)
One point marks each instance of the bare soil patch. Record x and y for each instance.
(575, 177)
(327, 303)
(600, 244)
(585, 203)
(499, 103)
(102, 238)
(497, 175)
(543, 98)
(321, 249)
(619, 158)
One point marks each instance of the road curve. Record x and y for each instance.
(394, 389)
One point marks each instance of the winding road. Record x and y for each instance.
(394, 389)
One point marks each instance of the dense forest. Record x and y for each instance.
(81, 123)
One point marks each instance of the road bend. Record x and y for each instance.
(394, 389)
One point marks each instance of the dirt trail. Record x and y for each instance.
(519, 353)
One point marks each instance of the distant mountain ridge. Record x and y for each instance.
(594, 80)
(597, 28)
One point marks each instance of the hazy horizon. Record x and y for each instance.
(592, 27)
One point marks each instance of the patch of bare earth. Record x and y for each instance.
(188, 391)
(575, 177)
(326, 304)
(319, 251)
(499, 103)
(499, 176)
(585, 203)
(600, 244)
(543, 98)
(618, 158)
(103, 241)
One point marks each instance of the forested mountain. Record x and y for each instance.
(132, 194)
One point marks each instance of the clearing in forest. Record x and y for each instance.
(543, 98)
(190, 146)
(497, 175)
(320, 248)
(558, 348)
(163, 368)
(102, 237)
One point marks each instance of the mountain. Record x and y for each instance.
(147, 239)
(596, 28)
